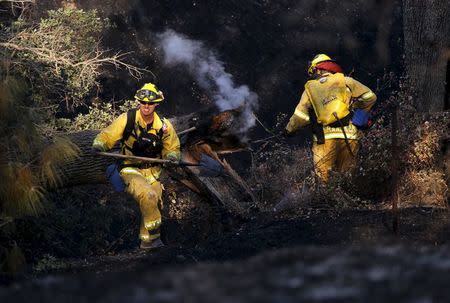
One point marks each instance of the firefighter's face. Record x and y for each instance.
(147, 108)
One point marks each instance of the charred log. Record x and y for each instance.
(227, 189)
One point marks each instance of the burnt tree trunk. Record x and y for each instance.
(426, 33)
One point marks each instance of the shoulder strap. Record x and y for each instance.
(163, 127)
(131, 120)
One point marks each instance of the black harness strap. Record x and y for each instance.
(316, 127)
(130, 130)
(131, 120)
(342, 122)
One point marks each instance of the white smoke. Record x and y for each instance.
(210, 74)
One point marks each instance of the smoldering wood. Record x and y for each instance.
(228, 190)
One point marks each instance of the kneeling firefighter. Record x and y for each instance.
(143, 133)
(336, 106)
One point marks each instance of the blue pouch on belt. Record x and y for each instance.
(360, 118)
(112, 173)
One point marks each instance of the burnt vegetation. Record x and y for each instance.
(68, 68)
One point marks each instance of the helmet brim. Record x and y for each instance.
(146, 100)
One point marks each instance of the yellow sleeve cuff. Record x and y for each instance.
(97, 144)
(173, 154)
(301, 115)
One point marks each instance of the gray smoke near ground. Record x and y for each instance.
(210, 74)
(294, 199)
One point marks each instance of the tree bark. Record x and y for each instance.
(426, 30)
(88, 168)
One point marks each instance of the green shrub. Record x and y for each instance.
(100, 115)
(59, 55)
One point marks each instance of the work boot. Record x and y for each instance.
(151, 244)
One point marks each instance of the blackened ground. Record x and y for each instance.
(319, 256)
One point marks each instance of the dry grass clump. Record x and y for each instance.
(423, 188)
(20, 191)
(284, 182)
(280, 176)
(425, 150)
(424, 182)
(24, 181)
(341, 192)
(54, 156)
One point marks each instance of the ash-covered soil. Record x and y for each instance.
(321, 256)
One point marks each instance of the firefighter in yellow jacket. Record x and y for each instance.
(336, 106)
(148, 135)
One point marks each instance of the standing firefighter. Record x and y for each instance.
(143, 133)
(336, 106)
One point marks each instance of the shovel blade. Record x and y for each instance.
(210, 167)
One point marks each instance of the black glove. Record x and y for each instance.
(286, 134)
(95, 150)
(172, 158)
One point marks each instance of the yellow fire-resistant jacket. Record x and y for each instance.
(354, 94)
(109, 136)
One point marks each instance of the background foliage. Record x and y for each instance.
(55, 61)
(57, 55)
(99, 116)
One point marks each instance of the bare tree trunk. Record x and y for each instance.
(426, 30)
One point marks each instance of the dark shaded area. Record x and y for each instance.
(264, 44)
(447, 88)
(321, 256)
(75, 227)
(417, 226)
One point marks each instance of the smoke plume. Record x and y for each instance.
(210, 74)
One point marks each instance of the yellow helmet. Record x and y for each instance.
(149, 93)
(316, 60)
